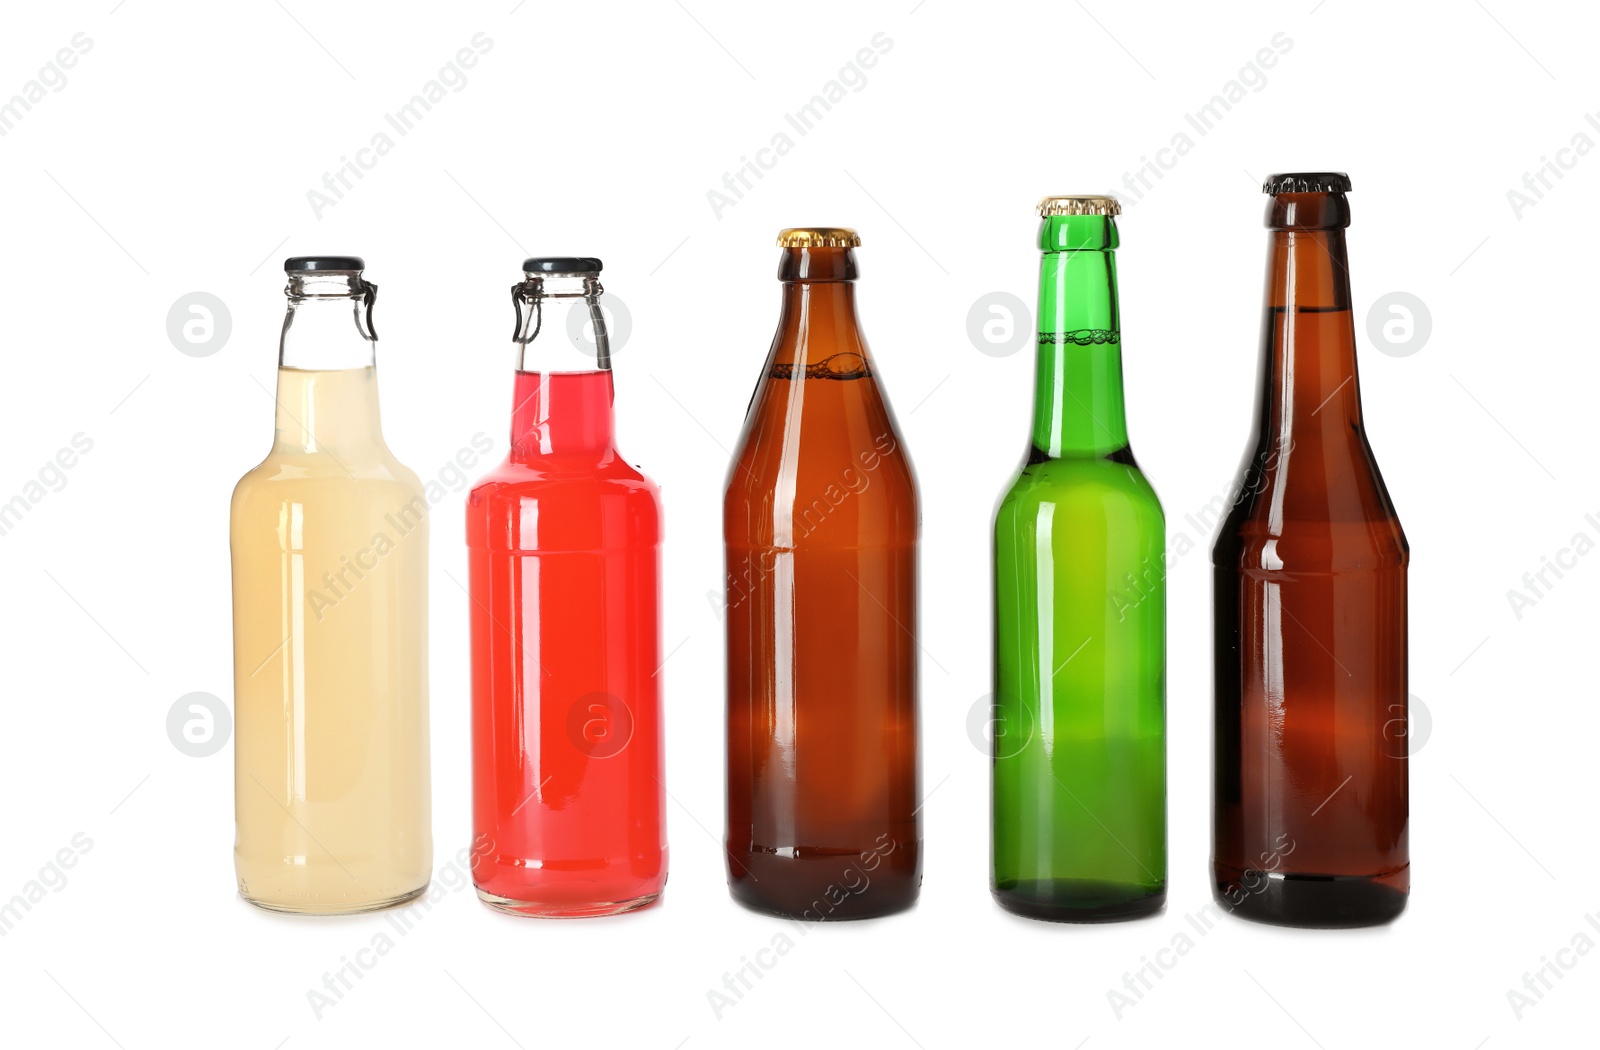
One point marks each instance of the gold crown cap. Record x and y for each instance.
(819, 237)
(1079, 206)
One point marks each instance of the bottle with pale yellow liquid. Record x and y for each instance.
(330, 635)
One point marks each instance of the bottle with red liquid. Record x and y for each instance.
(565, 560)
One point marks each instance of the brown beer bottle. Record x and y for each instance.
(1310, 792)
(820, 522)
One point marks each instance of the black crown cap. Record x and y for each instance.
(561, 264)
(316, 263)
(1307, 182)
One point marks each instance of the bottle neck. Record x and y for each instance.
(562, 404)
(561, 414)
(327, 385)
(328, 410)
(819, 334)
(1309, 344)
(1078, 406)
(560, 326)
(329, 321)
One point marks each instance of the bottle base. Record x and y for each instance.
(1078, 900)
(565, 910)
(827, 885)
(341, 908)
(819, 910)
(1311, 901)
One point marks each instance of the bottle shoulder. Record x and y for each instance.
(1312, 551)
(309, 476)
(554, 477)
(815, 418)
(1086, 485)
(1253, 538)
(555, 504)
(1313, 503)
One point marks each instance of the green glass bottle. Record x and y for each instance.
(1080, 784)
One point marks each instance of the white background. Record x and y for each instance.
(177, 158)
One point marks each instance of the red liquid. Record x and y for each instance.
(564, 545)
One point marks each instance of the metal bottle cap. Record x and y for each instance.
(1307, 182)
(1083, 205)
(819, 237)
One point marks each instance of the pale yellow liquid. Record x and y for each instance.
(330, 549)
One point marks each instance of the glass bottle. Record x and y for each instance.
(1309, 814)
(569, 809)
(1080, 798)
(820, 522)
(330, 626)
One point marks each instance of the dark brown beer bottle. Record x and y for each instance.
(1310, 791)
(820, 521)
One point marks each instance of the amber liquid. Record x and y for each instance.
(821, 523)
(1310, 780)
